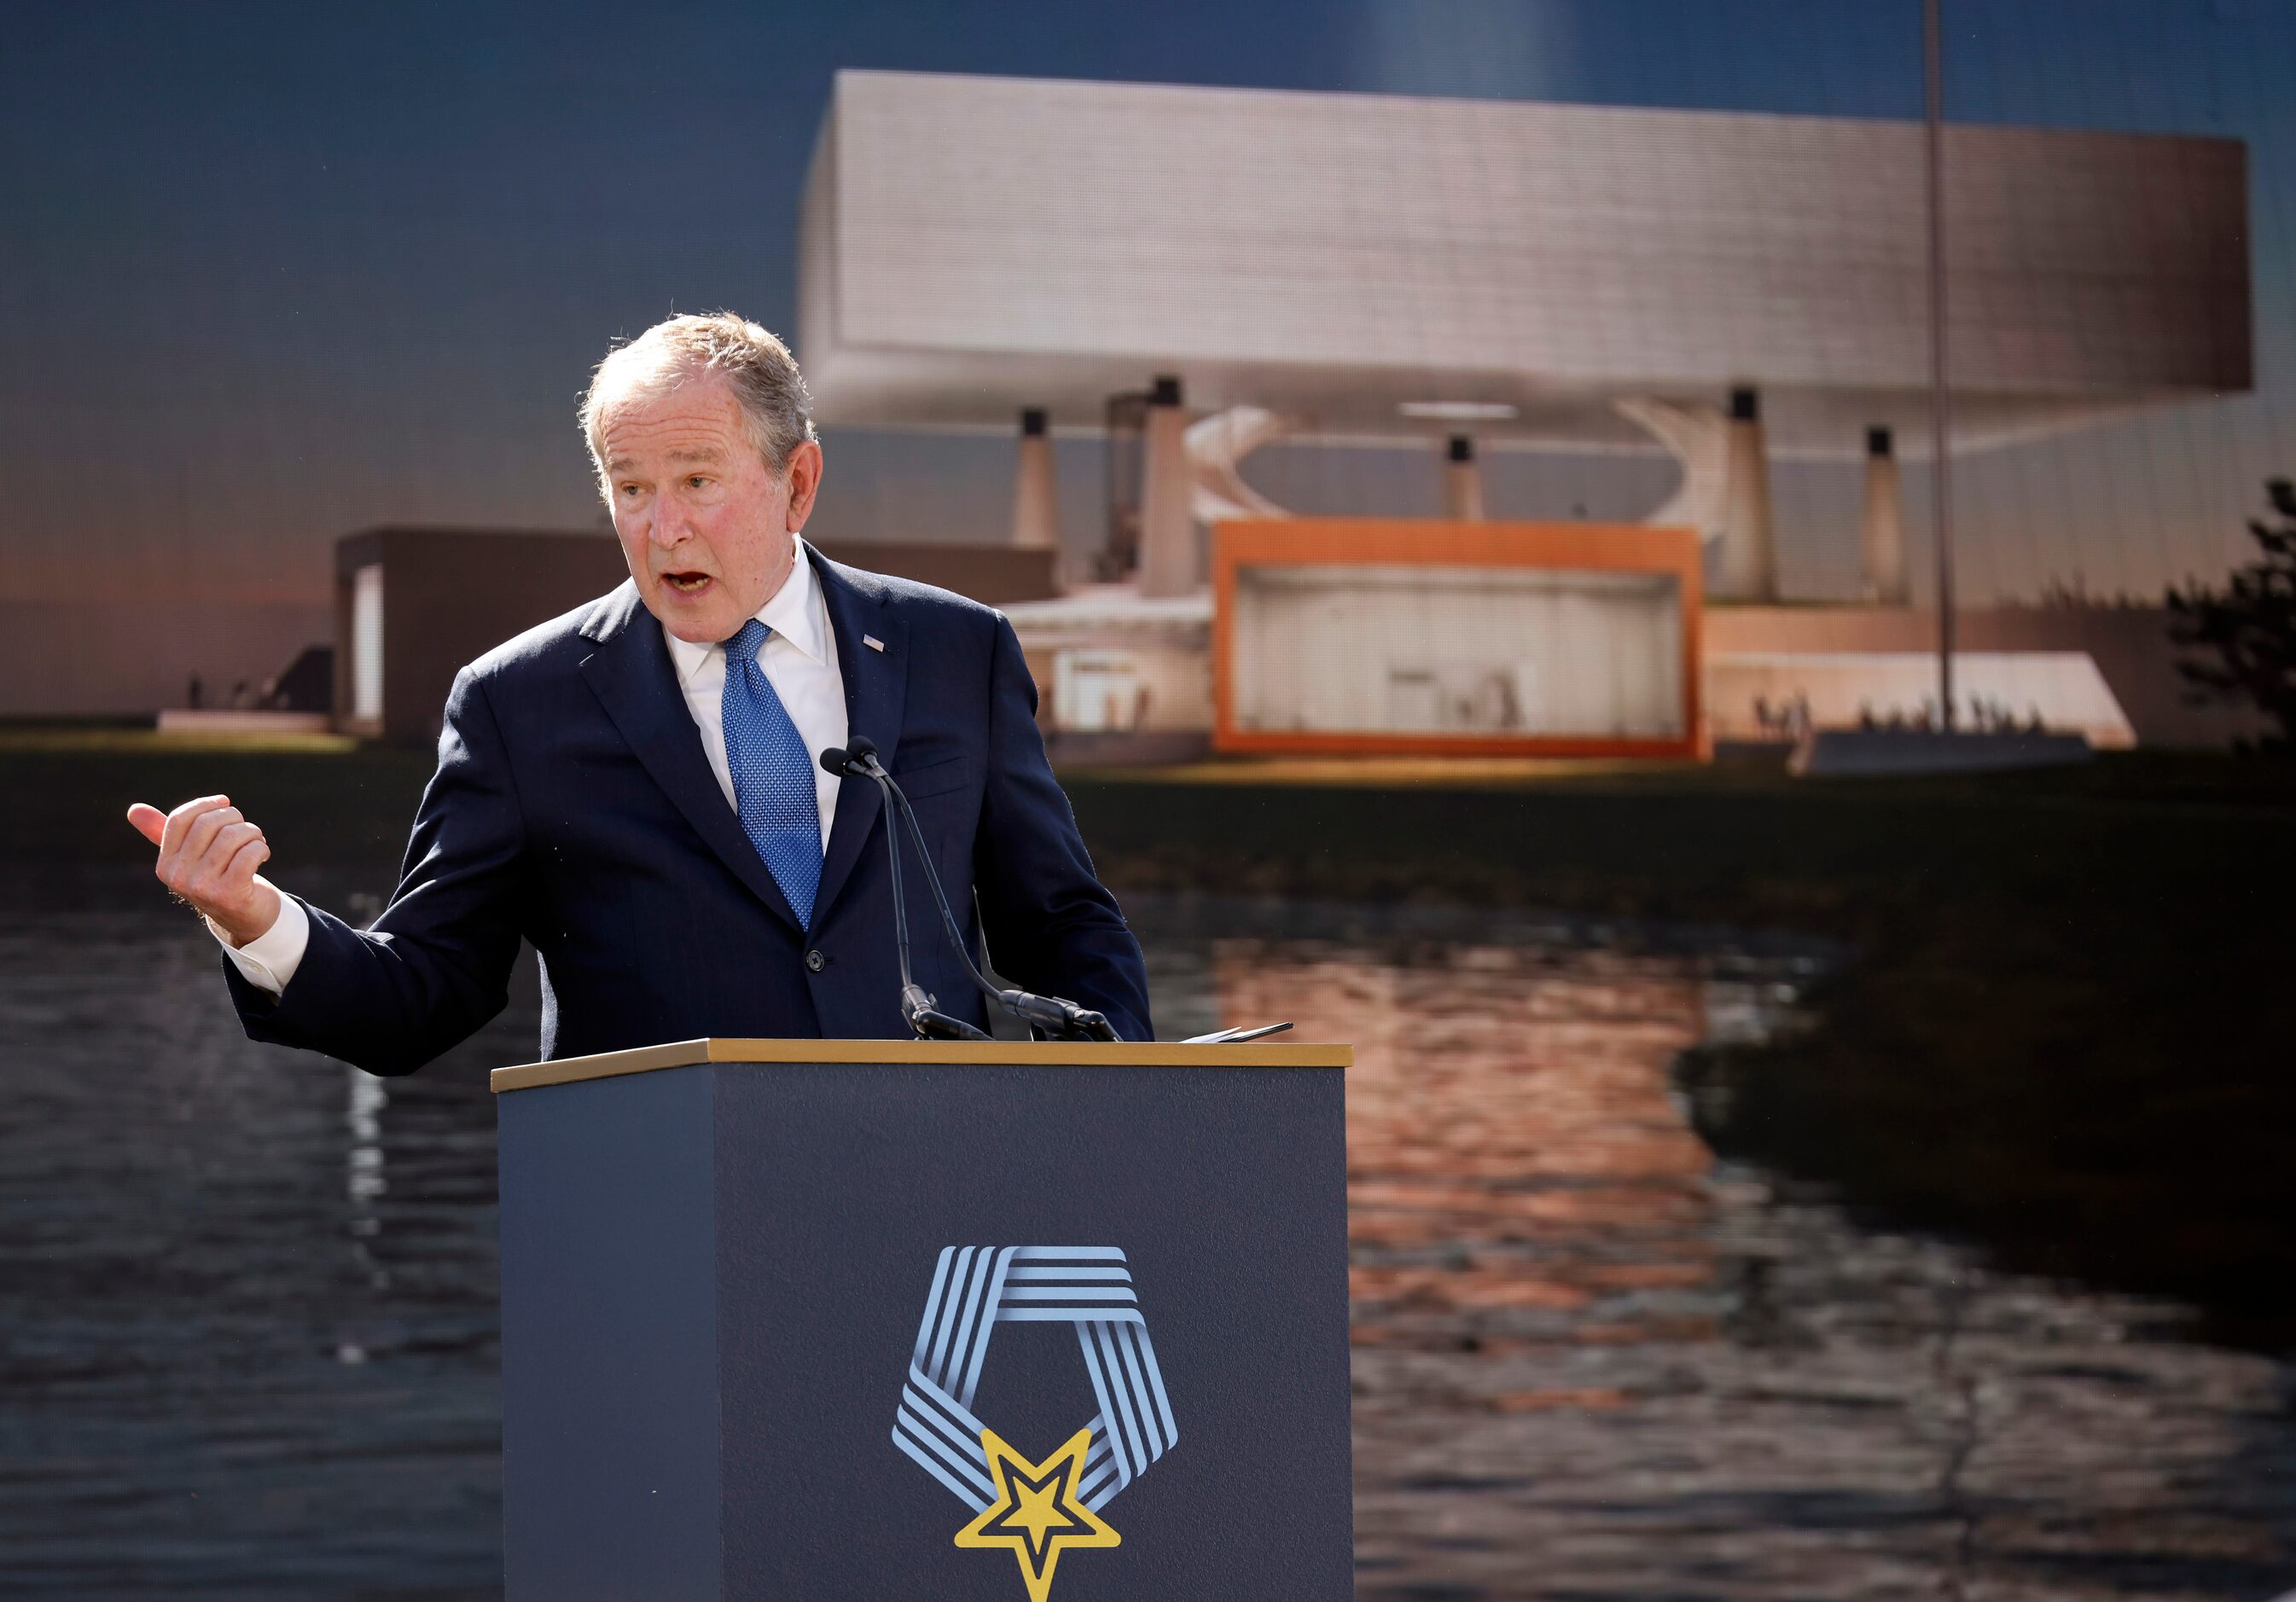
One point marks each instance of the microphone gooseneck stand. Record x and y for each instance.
(917, 1004)
(1062, 1018)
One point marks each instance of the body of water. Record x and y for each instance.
(247, 1300)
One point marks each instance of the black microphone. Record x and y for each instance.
(918, 1007)
(1053, 1013)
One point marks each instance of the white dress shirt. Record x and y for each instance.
(799, 659)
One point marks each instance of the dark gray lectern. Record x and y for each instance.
(879, 1320)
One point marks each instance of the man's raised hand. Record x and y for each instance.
(208, 855)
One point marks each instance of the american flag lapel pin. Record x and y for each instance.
(873, 642)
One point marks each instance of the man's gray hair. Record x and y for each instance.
(758, 367)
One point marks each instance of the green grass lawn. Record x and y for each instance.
(2065, 1029)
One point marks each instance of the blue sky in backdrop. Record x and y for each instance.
(273, 272)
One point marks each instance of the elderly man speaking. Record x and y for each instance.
(634, 786)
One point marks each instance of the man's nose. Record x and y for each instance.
(667, 525)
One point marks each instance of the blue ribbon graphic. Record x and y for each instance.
(976, 1288)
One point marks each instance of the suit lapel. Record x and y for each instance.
(633, 677)
(876, 686)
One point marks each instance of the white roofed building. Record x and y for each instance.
(1197, 272)
(1375, 267)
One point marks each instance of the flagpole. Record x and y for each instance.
(1942, 482)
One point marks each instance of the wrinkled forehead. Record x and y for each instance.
(680, 415)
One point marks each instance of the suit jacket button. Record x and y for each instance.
(816, 961)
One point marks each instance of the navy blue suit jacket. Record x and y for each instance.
(573, 806)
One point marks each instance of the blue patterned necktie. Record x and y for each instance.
(773, 773)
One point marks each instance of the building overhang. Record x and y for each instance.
(1382, 268)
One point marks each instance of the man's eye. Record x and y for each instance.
(695, 481)
(629, 489)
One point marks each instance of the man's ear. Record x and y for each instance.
(804, 483)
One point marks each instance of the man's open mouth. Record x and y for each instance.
(688, 583)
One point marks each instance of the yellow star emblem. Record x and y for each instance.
(1037, 1513)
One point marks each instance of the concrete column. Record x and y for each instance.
(1035, 506)
(1883, 529)
(1167, 523)
(1463, 482)
(1749, 557)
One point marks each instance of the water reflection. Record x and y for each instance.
(247, 1301)
(1590, 1362)
(1517, 1167)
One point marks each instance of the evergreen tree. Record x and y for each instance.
(2248, 630)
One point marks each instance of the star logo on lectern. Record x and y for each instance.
(1035, 1510)
(1037, 1513)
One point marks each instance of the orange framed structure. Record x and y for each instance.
(1608, 548)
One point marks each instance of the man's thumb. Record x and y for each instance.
(150, 822)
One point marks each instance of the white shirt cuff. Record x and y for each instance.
(269, 960)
